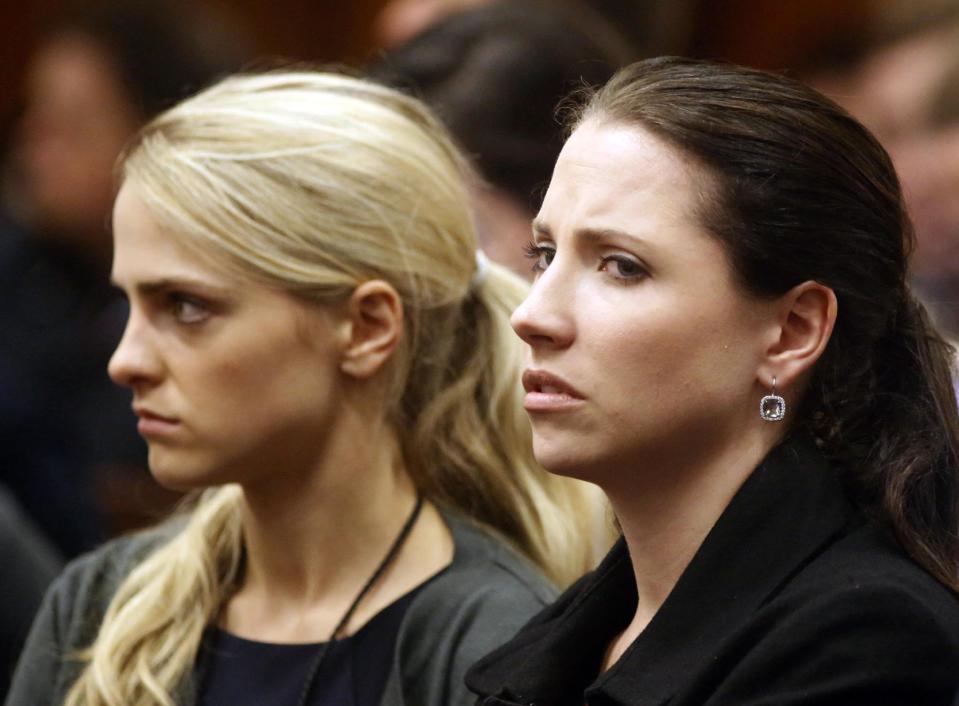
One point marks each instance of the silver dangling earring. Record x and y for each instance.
(772, 407)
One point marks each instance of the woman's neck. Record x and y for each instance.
(313, 538)
(665, 516)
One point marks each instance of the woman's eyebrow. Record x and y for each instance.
(167, 283)
(596, 234)
(589, 234)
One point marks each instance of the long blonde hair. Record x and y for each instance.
(316, 183)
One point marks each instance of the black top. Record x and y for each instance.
(793, 598)
(240, 672)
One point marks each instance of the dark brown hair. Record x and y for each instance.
(802, 191)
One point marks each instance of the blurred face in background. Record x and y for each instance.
(401, 20)
(898, 92)
(77, 119)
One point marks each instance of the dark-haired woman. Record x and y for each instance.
(722, 338)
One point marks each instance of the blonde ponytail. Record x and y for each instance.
(468, 440)
(152, 630)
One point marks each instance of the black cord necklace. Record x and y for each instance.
(384, 564)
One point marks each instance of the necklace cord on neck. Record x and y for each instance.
(370, 582)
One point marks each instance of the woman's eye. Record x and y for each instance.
(188, 310)
(622, 267)
(542, 256)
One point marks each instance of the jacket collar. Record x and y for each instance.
(786, 511)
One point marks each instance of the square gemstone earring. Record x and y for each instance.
(772, 407)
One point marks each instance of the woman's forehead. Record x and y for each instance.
(620, 172)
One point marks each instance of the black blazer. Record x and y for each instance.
(793, 598)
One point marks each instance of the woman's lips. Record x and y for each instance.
(153, 424)
(546, 392)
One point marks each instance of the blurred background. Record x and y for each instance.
(78, 78)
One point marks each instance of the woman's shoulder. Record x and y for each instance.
(81, 593)
(115, 558)
(861, 620)
(478, 602)
(486, 565)
(868, 565)
(72, 611)
(865, 592)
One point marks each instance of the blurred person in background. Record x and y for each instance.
(29, 564)
(66, 431)
(495, 75)
(927, 158)
(896, 66)
(400, 20)
(904, 88)
(659, 26)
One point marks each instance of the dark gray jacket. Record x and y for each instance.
(476, 604)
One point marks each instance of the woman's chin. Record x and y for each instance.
(562, 462)
(183, 476)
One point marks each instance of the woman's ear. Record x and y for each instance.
(806, 316)
(371, 328)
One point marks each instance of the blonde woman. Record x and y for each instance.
(314, 344)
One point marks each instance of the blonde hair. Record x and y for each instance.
(316, 183)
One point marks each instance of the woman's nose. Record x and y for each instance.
(544, 319)
(134, 362)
